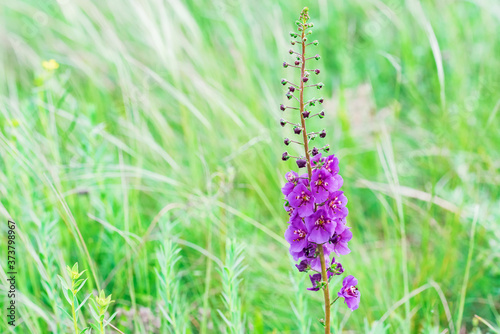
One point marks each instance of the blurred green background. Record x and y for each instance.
(160, 129)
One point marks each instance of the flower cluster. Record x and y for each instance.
(314, 200)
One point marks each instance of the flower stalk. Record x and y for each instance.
(316, 206)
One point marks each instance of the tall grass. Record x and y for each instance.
(164, 113)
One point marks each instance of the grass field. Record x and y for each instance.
(152, 156)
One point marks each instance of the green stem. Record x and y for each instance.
(74, 314)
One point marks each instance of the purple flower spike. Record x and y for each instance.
(302, 199)
(320, 227)
(296, 236)
(350, 292)
(301, 163)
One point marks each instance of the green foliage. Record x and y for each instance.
(165, 112)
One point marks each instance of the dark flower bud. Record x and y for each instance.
(305, 39)
(305, 79)
(314, 151)
(321, 114)
(301, 163)
(312, 103)
(285, 64)
(316, 71)
(320, 100)
(319, 85)
(297, 62)
(282, 122)
(291, 89)
(284, 81)
(285, 156)
(315, 42)
(306, 113)
(292, 42)
(289, 95)
(322, 134)
(287, 141)
(282, 107)
(326, 148)
(290, 51)
(317, 57)
(302, 266)
(297, 130)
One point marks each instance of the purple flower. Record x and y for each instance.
(338, 242)
(336, 267)
(303, 265)
(316, 262)
(332, 164)
(336, 204)
(302, 199)
(291, 177)
(296, 235)
(301, 163)
(315, 279)
(316, 160)
(320, 226)
(322, 183)
(349, 292)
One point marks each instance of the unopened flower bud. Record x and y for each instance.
(287, 141)
(297, 130)
(305, 79)
(321, 114)
(285, 156)
(317, 57)
(291, 89)
(282, 107)
(297, 62)
(301, 163)
(290, 51)
(326, 148)
(311, 25)
(320, 100)
(292, 42)
(284, 81)
(289, 95)
(312, 103)
(293, 35)
(309, 32)
(315, 42)
(316, 71)
(285, 64)
(322, 134)
(282, 122)
(319, 85)
(314, 151)
(306, 113)
(305, 39)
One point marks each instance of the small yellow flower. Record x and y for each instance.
(50, 65)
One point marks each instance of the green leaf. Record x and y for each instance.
(84, 330)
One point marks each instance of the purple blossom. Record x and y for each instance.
(336, 203)
(291, 177)
(349, 292)
(302, 199)
(296, 235)
(332, 164)
(320, 226)
(338, 242)
(301, 163)
(322, 183)
(315, 280)
(303, 265)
